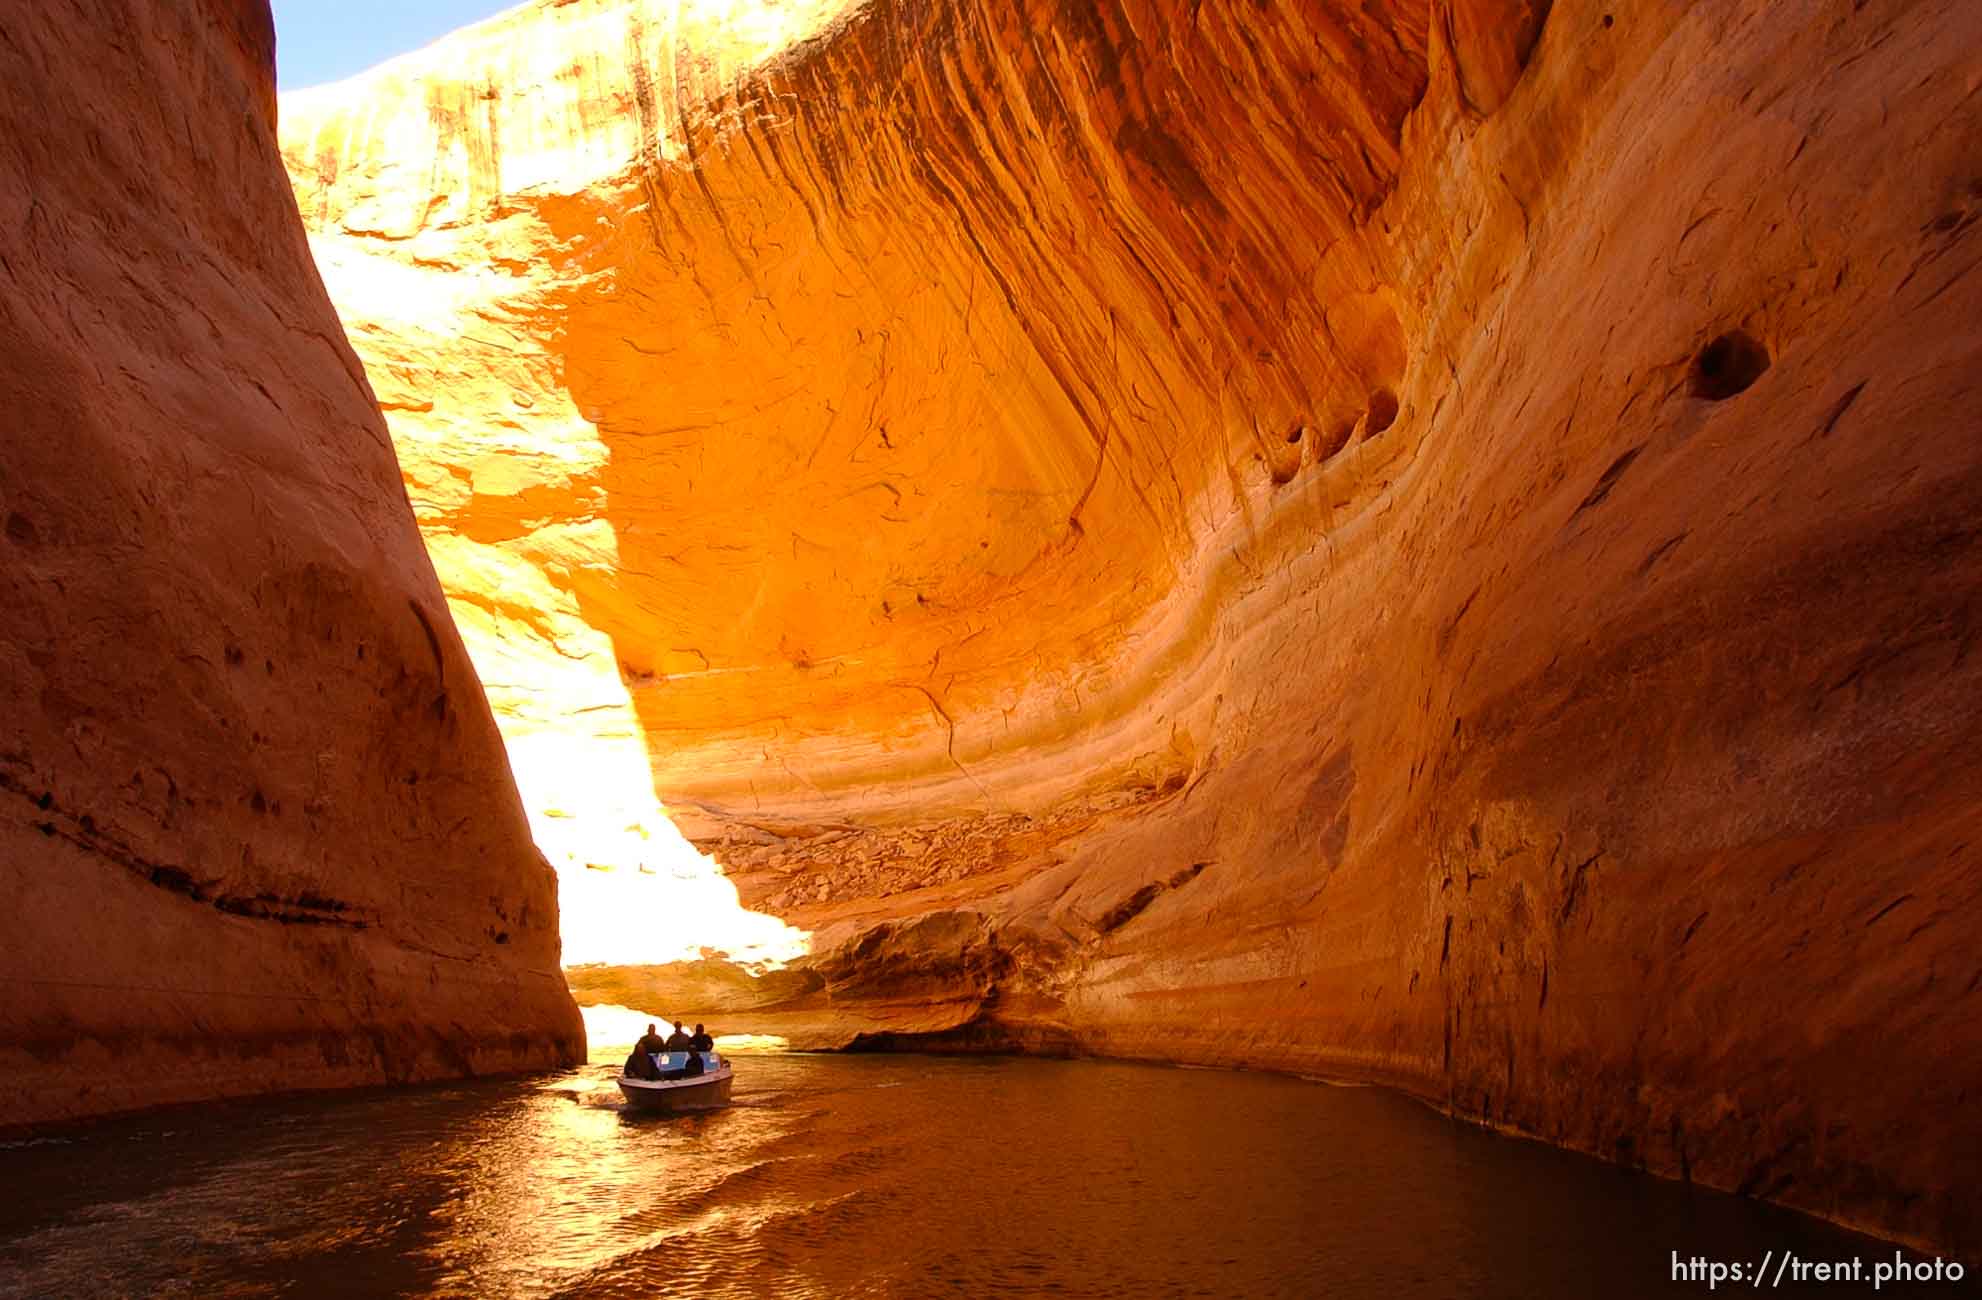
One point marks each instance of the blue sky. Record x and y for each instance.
(326, 40)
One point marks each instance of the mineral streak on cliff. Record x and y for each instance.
(255, 826)
(1425, 541)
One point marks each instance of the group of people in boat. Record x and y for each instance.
(642, 1065)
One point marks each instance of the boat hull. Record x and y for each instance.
(673, 1096)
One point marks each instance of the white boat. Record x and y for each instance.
(676, 1090)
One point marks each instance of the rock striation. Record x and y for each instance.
(256, 830)
(1426, 542)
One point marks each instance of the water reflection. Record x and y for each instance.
(890, 1176)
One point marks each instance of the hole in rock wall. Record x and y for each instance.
(1283, 455)
(1382, 412)
(1331, 443)
(1728, 365)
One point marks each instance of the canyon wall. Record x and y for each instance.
(256, 830)
(1425, 542)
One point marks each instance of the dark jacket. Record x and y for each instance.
(701, 1043)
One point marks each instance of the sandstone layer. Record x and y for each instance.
(256, 829)
(1427, 542)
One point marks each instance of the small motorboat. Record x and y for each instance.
(677, 1090)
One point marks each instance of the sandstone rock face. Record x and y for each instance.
(255, 826)
(1428, 542)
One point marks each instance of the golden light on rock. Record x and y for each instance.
(473, 156)
(1430, 543)
(1205, 530)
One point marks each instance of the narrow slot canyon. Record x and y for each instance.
(1427, 544)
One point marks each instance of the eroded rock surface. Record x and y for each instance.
(1427, 542)
(256, 830)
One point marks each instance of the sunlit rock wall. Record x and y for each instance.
(1429, 542)
(256, 831)
(455, 207)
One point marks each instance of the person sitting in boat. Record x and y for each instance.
(700, 1041)
(640, 1064)
(678, 1040)
(681, 1064)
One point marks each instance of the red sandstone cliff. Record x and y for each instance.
(256, 830)
(1428, 541)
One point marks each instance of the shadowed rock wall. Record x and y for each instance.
(1427, 542)
(256, 831)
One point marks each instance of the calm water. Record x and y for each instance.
(833, 1176)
